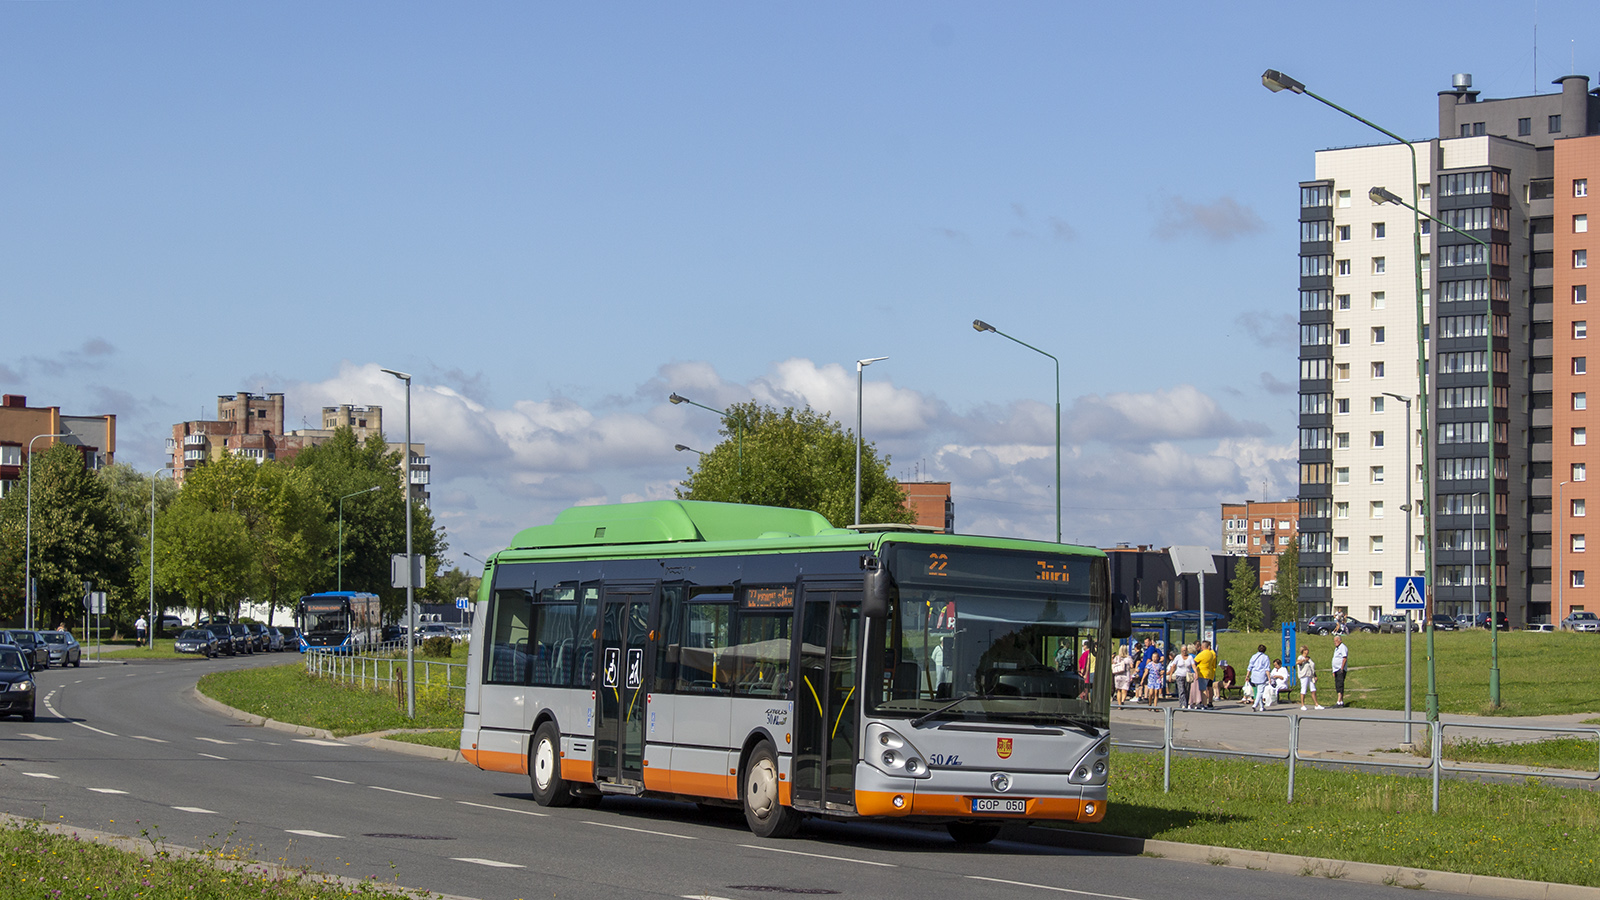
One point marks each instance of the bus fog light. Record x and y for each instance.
(913, 766)
(1100, 768)
(891, 758)
(1088, 808)
(899, 802)
(1081, 773)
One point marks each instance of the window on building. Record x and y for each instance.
(1378, 231)
(1577, 578)
(1343, 198)
(1524, 127)
(1577, 543)
(1377, 334)
(1426, 261)
(1341, 475)
(1258, 540)
(1342, 267)
(1341, 406)
(1466, 129)
(1341, 371)
(1377, 439)
(1341, 440)
(1377, 265)
(1555, 124)
(1341, 545)
(1377, 370)
(1344, 233)
(1580, 293)
(1375, 509)
(1341, 336)
(1377, 404)
(1580, 329)
(1341, 510)
(1580, 187)
(1378, 300)
(1580, 437)
(1580, 365)
(1377, 579)
(1580, 224)
(1377, 475)
(1580, 400)
(1343, 301)
(1580, 259)
(1580, 472)
(1341, 579)
(1424, 191)
(1375, 543)
(1579, 510)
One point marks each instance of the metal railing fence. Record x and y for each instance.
(374, 672)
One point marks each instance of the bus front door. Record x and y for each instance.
(621, 692)
(826, 701)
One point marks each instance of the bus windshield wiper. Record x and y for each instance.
(917, 722)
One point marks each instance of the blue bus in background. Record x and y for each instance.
(339, 621)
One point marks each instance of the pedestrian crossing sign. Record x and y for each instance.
(1409, 593)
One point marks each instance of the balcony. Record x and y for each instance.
(193, 456)
(194, 440)
(172, 444)
(419, 476)
(420, 461)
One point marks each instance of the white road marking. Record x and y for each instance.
(524, 812)
(140, 737)
(320, 743)
(1050, 887)
(107, 791)
(407, 793)
(701, 897)
(643, 831)
(309, 833)
(215, 741)
(864, 862)
(42, 775)
(212, 756)
(92, 728)
(39, 737)
(196, 809)
(334, 780)
(494, 863)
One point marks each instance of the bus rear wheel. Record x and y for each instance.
(973, 833)
(544, 768)
(763, 811)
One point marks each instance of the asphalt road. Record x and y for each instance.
(123, 748)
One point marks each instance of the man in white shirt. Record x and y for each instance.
(139, 628)
(1341, 664)
(1258, 669)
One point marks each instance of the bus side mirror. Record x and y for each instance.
(1121, 617)
(875, 590)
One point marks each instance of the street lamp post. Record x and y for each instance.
(682, 447)
(482, 571)
(1380, 196)
(1410, 515)
(340, 580)
(151, 631)
(980, 326)
(676, 398)
(1276, 81)
(27, 539)
(1561, 573)
(862, 364)
(411, 609)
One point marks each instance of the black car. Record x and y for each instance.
(1482, 621)
(64, 648)
(198, 640)
(1442, 622)
(291, 638)
(18, 696)
(267, 638)
(29, 643)
(227, 643)
(246, 636)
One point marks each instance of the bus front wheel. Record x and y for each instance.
(763, 811)
(544, 768)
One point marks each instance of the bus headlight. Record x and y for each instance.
(897, 757)
(1091, 768)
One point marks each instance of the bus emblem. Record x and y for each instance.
(1002, 748)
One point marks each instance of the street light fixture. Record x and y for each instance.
(676, 398)
(27, 539)
(1381, 196)
(1410, 510)
(340, 581)
(860, 364)
(151, 631)
(411, 609)
(682, 447)
(1276, 81)
(980, 326)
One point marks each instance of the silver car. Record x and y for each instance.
(64, 648)
(1580, 620)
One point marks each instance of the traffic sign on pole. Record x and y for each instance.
(1410, 592)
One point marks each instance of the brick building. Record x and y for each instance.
(930, 502)
(1261, 530)
(94, 436)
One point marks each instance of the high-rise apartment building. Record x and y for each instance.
(1491, 341)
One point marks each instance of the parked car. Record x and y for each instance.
(460, 632)
(1393, 623)
(1540, 626)
(64, 648)
(292, 639)
(433, 630)
(18, 696)
(31, 646)
(1442, 622)
(228, 644)
(170, 623)
(197, 640)
(1483, 621)
(1328, 623)
(1581, 620)
(1463, 621)
(247, 636)
(271, 638)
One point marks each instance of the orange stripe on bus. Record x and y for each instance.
(577, 770)
(497, 761)
(881, 803)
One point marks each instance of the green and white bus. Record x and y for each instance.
(757, 657)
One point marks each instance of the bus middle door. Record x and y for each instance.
(826, 701)
(622, 689)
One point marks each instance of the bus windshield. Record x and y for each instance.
(994, 636)
(325, 618)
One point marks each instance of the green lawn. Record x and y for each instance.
(1541, 673)
(1523, 830)
(449, 740)
(288, 694)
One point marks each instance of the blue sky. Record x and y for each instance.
(556, 215)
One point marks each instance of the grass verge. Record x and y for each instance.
(36, 863)
(288, 694)
(1524, 831)
(449, 740)
(161, 650)
(1581, 754)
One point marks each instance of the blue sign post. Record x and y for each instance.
(1410, 592)
(1288, 652)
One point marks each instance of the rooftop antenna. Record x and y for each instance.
(1536, 46)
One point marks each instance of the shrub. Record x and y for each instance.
(437, 646)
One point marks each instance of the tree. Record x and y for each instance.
(795, 459)
(129, 492)
(1286, 597)
(1244, 598)
(455, 583)
(77, 536)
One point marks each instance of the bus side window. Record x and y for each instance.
(759, 660)
(588, 623)
(553, 647)
(702, 654)
(509, 661)
(667, 637)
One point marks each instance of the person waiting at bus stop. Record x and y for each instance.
(1257, 671)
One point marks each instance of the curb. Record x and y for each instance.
(263, 721)
(377, 739)
(143, 849)
(380, 741)
(1283, 863)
